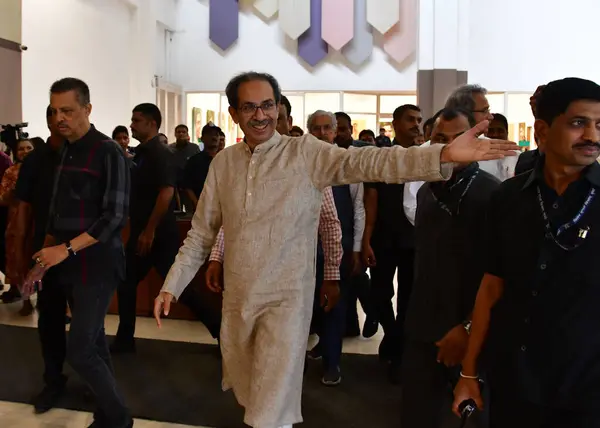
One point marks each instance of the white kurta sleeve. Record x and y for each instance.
(410, 200)
(329, 165)
(359, 216)
(196, 247)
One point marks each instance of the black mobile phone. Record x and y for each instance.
(466, 409)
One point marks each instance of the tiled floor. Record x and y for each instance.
(21, 416)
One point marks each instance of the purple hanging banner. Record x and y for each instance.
(311, 46)
(223, 22)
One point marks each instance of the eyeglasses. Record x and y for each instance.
(251, 108)
(322, 128)
(484, 110)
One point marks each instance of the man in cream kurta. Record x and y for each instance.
(267, 196)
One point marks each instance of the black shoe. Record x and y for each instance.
(11, 295)
(315, 353)
(332, 377)
(48, 398)
(122, 347)
(370, 328)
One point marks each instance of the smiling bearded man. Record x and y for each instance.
(267, 193)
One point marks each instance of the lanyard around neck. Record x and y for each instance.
(463, 194)
(568, 225)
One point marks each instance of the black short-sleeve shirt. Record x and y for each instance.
(154, 169)
(543, 342)
(196, 171)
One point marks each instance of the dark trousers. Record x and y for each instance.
(161, 257)
(206, 306)
(359, 289)
(331, 326)
(427, 389)
(507, 411)
(87, 349)
(52, 306)
(382, 291)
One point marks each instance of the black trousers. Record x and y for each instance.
(87, 349)
(206, 306)
(507, 411)
(161, 257)
(359, 290)
(382, 292)
(52, 306)
(427, 390)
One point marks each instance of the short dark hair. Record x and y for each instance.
(287, 105)
(37, 142)
(48, 112)
(181, 126)
(399, 112)
(557, 96)
(297, 129)
(502, 119)
(381, 129)
(82, 91)
(342, 115)
(453, 113)
(367, 132)
(150, 111)
(221, 133)
(119, 130)
(232, 89)
(429, 122)
(209, 128)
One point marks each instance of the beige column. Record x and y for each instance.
(442, 52)
(10, 62)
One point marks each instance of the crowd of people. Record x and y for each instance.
(495, 296)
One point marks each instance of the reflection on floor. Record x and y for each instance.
(21, 416)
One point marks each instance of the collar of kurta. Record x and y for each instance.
(271, 142)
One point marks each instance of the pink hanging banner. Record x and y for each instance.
(337, 27)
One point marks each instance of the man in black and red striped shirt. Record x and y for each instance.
(88, 210)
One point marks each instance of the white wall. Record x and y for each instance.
(110, 44)
(262, 47)
(515, 45)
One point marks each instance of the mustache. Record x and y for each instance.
(260, 122)
(596, 145)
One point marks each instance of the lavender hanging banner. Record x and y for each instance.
(311, 46)
(223, 22)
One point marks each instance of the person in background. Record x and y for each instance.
(88, 211)
(15, 269)
(498, 127)
(196, 169)
(121, 135)
(183, 149)
(296, 131)
(472, 98)
(153, 235)
(163, 138)
(388, 245)
(33, 191)
(221, 140)
(420, 139)
(528, 159)
(382, 139)
(535, 322)
(367, 136)
(428, 127)
(343, 133)
(351, 214)
(449, 265)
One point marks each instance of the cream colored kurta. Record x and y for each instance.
(268, 203)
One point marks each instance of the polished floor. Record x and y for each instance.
(22, 416)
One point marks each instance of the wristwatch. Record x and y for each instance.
(467, 326)
(70, 249)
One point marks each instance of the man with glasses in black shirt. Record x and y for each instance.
(449, 230)
(88, 210)
(537, 307)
